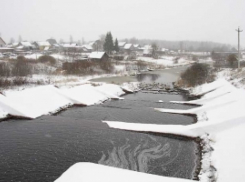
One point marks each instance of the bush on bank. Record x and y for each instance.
(197, 74)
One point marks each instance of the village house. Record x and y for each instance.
(137, 47)
(87, 48)
(121, 46)
(24, 46)
(3, 47)
(96, 45)
(98, 56)
(129, 48)
(2, 43)
(52, 41)
(42, 45)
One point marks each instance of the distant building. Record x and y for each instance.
(42, 45)
(98, 56)
(96, 45)
(137, 47)
(2, 43)
(121, 45)
(52, 41)
(87, 48)
(128, 48)
(25, 46)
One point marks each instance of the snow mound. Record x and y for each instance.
(111, 90)
(39, 100)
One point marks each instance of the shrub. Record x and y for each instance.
(194, 58)
(106, 66)
(141, 65)
(5, 69)
(197, 74)
(47, 59)
(87, 67)
(21, 68)
(16, 81)
(21, 58)
(78, 68)
(232, 60)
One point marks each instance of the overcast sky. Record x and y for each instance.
(200, 20)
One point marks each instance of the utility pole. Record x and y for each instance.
(239, 31)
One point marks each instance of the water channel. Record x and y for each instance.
(42, 149)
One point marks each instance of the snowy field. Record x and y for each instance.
(167, 61)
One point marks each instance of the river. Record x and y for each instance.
(42, 149)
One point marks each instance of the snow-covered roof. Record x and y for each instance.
(69, 45)
(164, 49)
(2, 41)
(15, 44)
(128, 46)
(121, 44)
(43, 43)
(46, 48)
(147, 47)
(91, 43)
(56, 45)
(136, 45)
(26, 44)
(20, 47)
(96, 55)
(89, 47)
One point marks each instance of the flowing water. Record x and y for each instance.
(42, 149)
(160, 76)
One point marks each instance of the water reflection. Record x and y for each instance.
(146, 77)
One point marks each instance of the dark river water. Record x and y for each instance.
(160, 76)
(42, 149)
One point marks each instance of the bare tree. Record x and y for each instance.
(154, 49)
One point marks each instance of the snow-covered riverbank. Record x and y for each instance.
(221, 125)
(42, 100)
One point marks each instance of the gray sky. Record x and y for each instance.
(200, 20)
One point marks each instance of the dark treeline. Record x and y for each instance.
(194, 46)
